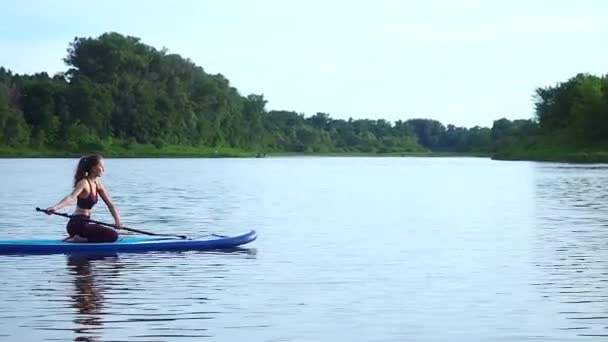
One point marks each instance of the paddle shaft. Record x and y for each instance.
(110, 225)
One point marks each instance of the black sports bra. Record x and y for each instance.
(89, 201)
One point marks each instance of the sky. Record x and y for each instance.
(466, 62)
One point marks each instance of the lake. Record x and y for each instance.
(349, 249)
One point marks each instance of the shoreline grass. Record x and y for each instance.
(548, 151)
(173, 151)
(536, 152)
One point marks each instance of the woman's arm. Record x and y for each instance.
(106, 198)
(69, 198)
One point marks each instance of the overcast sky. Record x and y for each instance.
(466, 62)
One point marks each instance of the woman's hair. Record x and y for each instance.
(85, 164)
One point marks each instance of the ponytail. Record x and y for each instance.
(84, 167)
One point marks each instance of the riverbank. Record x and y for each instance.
(519, 153)
(581, 157)
(378, 154)
(554, 151)
(139, 151)
(150, 151)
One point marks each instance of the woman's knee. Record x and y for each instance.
(110, 235)
(99, 233)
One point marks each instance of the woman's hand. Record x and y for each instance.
(50, 210)
(117, 224)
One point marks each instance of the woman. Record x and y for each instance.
(85, 192)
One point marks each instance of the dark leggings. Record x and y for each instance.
(91, 231)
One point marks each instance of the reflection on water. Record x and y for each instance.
(88, 291)
(572, 244)
(118, 297)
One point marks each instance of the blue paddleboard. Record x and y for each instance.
(127, 244)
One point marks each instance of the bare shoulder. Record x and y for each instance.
(82, 184)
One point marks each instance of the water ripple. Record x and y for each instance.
(354, 249)
(571, 253)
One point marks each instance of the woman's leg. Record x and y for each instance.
(75, 229)
(98, 233)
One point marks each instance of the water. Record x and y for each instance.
(353, 249)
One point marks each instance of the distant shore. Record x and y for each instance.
(208, 152)
(544, 155)
(140, 151)
(554, 152)
(582, 157)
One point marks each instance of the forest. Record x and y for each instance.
(120, 96)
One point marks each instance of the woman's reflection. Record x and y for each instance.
(89, 291)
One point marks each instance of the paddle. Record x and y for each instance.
(110, 225)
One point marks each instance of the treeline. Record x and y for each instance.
(576, 109)
(571, 123)
(119, 91)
